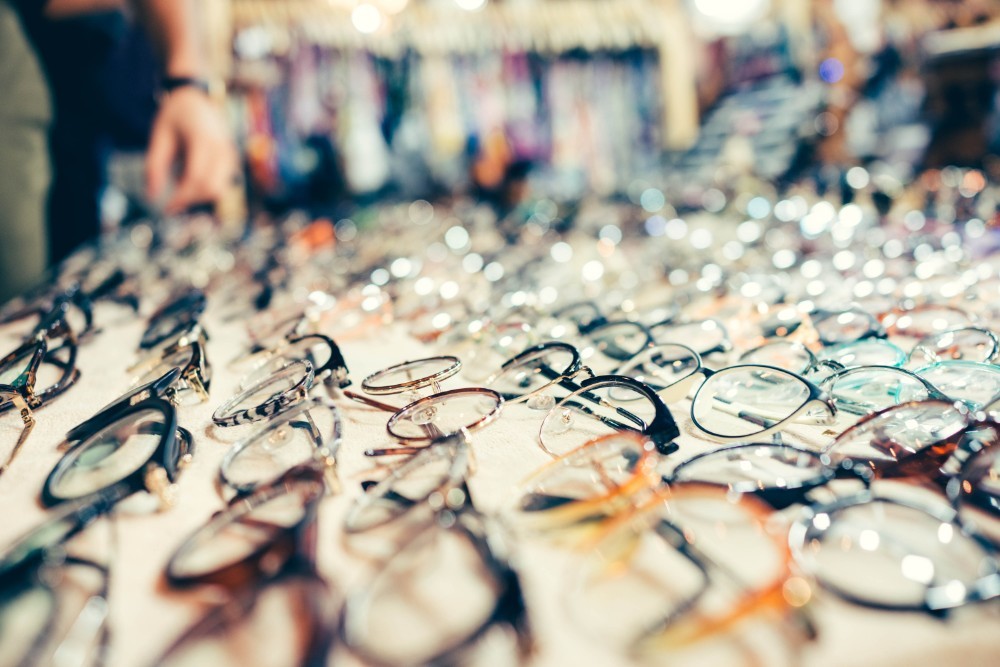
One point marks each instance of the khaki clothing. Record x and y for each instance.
(25, 114)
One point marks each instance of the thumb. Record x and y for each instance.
(159, 159)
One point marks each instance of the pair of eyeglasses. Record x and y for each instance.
(895, 552)
(754, 400)
(260, 550)
(707, 337)
(54, 600)
(132, 445)
(321, 351)
(682, 572)
(178, 314)
(965, 344)
(36, 372)
(447, 544)
(308, 433)
(186, 351)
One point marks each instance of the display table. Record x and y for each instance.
(146, 615)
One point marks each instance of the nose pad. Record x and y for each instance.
(541, 401)
(279, 437)
(424, 416)
(561, 422)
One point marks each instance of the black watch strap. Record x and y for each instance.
(171, 83)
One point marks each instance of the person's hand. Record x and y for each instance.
(189, 128)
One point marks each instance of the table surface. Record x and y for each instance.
(146, 615)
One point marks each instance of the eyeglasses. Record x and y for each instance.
(867, 389)
(194, 379)
(608, 345)
(54, 598)
(136, 448)
(269, 397)
(408, 378)
(457, 545)
(925, 320)
(178, 314)
(606, 404)
(864, 352)
(309, 432)
(845, 325)
(971, 382)
(599, 479)
(752, 401)
(677, 570)
(706, 337)
(899, 554)
(528, 376)
(444, 414)
(321, 351)
(32, 375)
(969, 344)
(261, 550)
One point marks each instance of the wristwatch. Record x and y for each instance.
(214, 89)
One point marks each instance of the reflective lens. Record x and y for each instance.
(868, 352)
(785, 354)
(411, 375)
(743, 401)
(314, 350)
(597, 479)
(893, 555)
(974, 383)
(862, 391)
(607, 346)
(704, 337)
(968, 344)
(663, 366)
(754, 467)
(844, 327)
(899, 432)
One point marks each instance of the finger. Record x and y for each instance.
(192, 188)
(159, 159)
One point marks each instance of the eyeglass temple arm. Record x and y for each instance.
(27, 417)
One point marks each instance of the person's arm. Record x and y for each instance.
(189, 126)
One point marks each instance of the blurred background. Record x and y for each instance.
(341, 102)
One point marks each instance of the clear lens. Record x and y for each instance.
(961, 344)
(277, 626)
(594, 480)
(662, 366)
(411, 375)
(868, 352)
(595, 411)
(445, 414)
(927, 321)
(750, 468)
(973, 383)
(245, 530)
(844, 327)
(408, 486)
(611, 344)
(298, 373)
(314, 350)
(532, 372)
(744, 401)
(784, 354)
(703, 337)
(110, 455)
(885, 553)
(180, 359)
(866, 390)
(899, 432)
(294, 438)
(402, 617)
